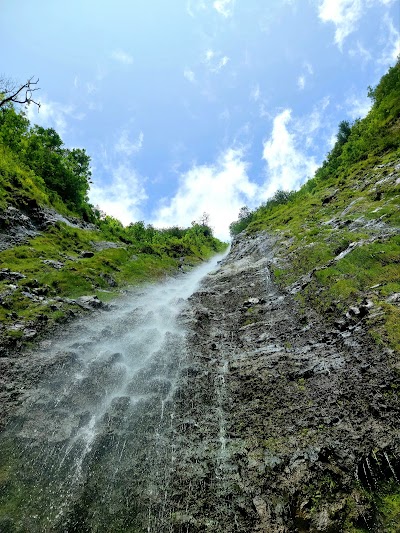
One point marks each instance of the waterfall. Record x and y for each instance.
(89, 449)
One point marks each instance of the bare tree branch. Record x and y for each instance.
(10, 92)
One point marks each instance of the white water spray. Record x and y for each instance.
(96, 426)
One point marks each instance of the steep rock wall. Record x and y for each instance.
(282, 423)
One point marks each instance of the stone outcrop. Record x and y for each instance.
(18, 225)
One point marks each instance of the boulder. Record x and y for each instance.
(55, 264)
(90, 302)
(7, 274)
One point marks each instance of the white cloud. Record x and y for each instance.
(344, 14)
(215, 61)
(358, 106)
(122, 57)
(314, 121)
(301, 82)
(221, 63)
(209, 55)
(224, 7)
(127, 147)
(287, 165)
(121, 198)
(305, 128)
(332, 140)
(392, 49)
(255, 93)
(53, 115)
(220, 189)
(360, 52)
(189, 75)
(91, 88)
(195, 6)
(309, 68)
(302, 79)
(264, 113)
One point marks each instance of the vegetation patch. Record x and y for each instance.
(388, 507)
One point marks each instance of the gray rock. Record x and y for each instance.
(104, 245)
(7, 274)
(251, 301)
(18, 225)
(90, 302)
(393, 298)
(30, 333)
(261, 507)
(109, 280)
(281, 408)
(55, 264)
(27, 295)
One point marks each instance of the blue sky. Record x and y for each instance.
(188, 106)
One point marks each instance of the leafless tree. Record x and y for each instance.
(19, 94)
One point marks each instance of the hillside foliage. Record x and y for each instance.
(37, 169)
(339, 233)
(365, 140)
(65, 173)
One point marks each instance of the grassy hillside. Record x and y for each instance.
(55, 247)
(338, 237)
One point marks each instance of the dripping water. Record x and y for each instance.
(391, 466)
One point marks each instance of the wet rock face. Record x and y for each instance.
(276, 415)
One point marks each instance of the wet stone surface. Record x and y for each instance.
(230, 410)
(275, 412)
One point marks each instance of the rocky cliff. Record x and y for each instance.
(262, 415)
(284, 422)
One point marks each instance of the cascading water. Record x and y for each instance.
(89, 450)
